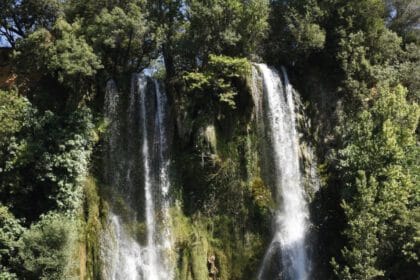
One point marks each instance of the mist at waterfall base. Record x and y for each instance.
(286, 256)
(137, 144)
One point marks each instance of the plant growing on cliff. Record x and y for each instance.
(220, 80)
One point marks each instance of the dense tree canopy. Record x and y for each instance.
(380, 193)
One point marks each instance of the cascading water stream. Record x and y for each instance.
(124, 257)
(164, 182)
(157, 245)
(291, 219)
(120, 252)
(152, 263)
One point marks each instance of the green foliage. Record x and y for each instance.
(220, 78)
(92, 227)
(121, 37)
(404, 18)
(354, 62)
(43, 157)
(383, 133)
(15, 117)
(192, 244)
(361, 256)
(232, 212)
(19, 18)
(308, 36)
(46, 247)
(60, 52)
(254, 26)
(379, 203)
(10, 231)
(356, 28)
(199, 239)
(295, 30)
(409, 69)
(66, 163)
(376, 139)
(69, 45)
(230, 27)
(7, 275)
(192, 30)
(14, 113)
(262, 196)
(71, 55)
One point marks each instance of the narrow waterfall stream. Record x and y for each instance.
(125, 257)
(164, 180)
(291, 218)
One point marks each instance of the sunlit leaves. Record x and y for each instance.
(122, 37)
(61, 52)
(219, 78)
(378, 143)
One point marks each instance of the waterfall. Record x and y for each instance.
(136, 163)
(124, 257)
(291, 217)
(164, 182)
(151, 256)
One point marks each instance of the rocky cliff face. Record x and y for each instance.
(222, 192)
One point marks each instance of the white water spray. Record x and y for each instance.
(124, 257)
(291, 219)
(152, 263)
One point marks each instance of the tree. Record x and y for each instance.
(295, 30)
(46, 248)
(404, 18)
(20, 18)
(60, 57)
(168, 16)
(219, 80)
(42, 157)
(122, 38)
(61, 53)
(233, 27)
(380, 203)
(363, 223)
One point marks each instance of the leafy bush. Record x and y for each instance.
(220, 78)
(10, 231)
(46, 247)
(43, 157)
